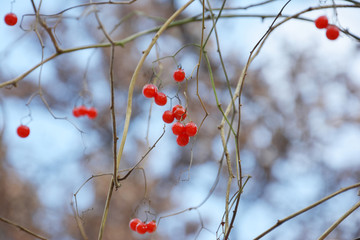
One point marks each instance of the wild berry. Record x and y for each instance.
(82, 110)
(160, 99)
(168, 116)
(133, 223)
(180, 113)
(141, 228)
(151, 227)
(149, 90)
(191, 129)
(76, 112)
(23, 131)
(179, 75)
(183, 139)
(10, 19)
(332, 32)
(92, 113)
(178, 128)
(321, 22)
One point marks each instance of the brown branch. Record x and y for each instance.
(22, 228)
(281, 221)
(337, 222)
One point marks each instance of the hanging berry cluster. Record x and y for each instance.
(332, 31)
(151, 91)
(178, 112)
(141, 227)
(84, 111)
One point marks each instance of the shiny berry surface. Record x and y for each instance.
(183, 139)
(151, 227)
(149, 90)
(179, 75)
(191, 129)
(178, 128)
(10, 19)
(160, 99)
(168, 116)
(141, 228)
(180, 113)
(133, 223)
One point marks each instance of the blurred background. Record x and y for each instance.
(299, 138)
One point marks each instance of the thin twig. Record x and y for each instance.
(337, 222)
(22, 228)
(281, 221)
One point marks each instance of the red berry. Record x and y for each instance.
(191, 129)
(321, 22)
(183, 139)
(149, 90)
(10, 19)
(178, 128)
(76, 112)
(176, 107)
(23, 131)
(151, 227)
(180, 113)
(168, 116)
(332, 32)
(160, 99)
(133, 223)
(92, 113)
(82, 110)
(179, 75)
(141, 228)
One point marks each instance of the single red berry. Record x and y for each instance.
(23, 131)
(133, 223)
(191, 129)
(92, 113)
(76, 112)
(10, 19)
(82, 110)
(179, 75)
(176, 107)
(168, 116)
(332, 32)
(183, 139)
(180, 113)
(321, 22)
(178, 128)
(141, 228)
(151, 226)
(160, 99)
(149, 90)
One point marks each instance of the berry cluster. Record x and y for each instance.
(84, 111)
(141, 227)
(332, 31)
(183, 132)
(151, 91)
(23, 131)
(178, 112)
(10, 19)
